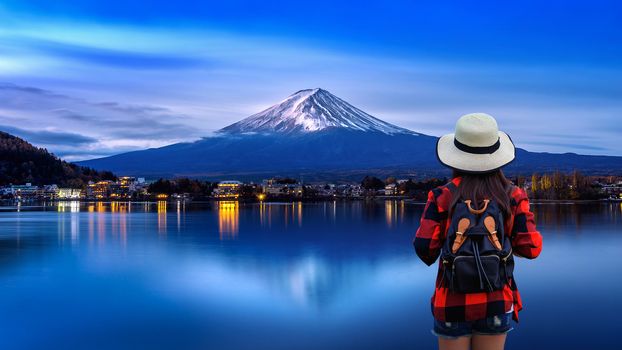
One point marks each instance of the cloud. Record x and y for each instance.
(579, 146)
(29, 90)
(49, 137)
(142, 124)
(76, 128)
(104, 56)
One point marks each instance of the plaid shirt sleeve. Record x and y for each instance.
(526, 240)
(431, 233)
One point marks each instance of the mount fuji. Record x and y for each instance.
(312, 110)
(316, 135)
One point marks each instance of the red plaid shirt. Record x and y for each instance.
(455, 307)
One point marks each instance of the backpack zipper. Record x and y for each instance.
(458, 257)
(443, 281)
(505, 266)
(505, 259)
(453, 274)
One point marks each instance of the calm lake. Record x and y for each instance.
(329, 275)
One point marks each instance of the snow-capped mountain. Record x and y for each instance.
(312, 110)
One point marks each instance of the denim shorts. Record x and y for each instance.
(493, 325)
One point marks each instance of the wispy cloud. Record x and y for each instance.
(49, 137)
(103, 56)
(567, 145)
(76, 128)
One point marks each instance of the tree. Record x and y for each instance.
(535, 180)
(22, 162)
(286, 181)
(162, 186)
(372, 183)
(520, 181)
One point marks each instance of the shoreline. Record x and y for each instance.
(12, 203)
(571, 201)
(9, 202)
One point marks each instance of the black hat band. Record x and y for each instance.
(477, 150)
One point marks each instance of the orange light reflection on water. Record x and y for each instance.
(228, 219)
(389, 212)
(161, 205)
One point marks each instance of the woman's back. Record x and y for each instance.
(490, 213)
(432, 233)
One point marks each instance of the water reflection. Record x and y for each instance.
(69, 224)
(391, 214)
(161, 207)
(73, 206)
(228, 219)
(181, 211)
(559, 216)
(120, 207)
(322, 272)
(287, 213)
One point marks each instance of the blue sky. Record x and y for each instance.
(89, 78)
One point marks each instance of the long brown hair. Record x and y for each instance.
(477, 187)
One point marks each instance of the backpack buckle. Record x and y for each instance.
(489, 223)
(463, 225)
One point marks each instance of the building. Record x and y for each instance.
(50, 192)
(228, 189)
(390, 189)
(274, 187)
(613, 190)
(127, 183)
(68, 193)
(21, 191)
(99, 190)
(124, 188)
(356, 191)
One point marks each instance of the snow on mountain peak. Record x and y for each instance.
(312, 110)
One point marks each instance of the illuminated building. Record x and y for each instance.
(22, 191)
(228, 189)
(356, 191)
(99, 190)
(127, 181)
(124, 188)
(613, 191)
(50, 192)
(390, 189)
(68, 193)
(276, 188)
(127, 187)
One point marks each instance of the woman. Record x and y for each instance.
(476, 152)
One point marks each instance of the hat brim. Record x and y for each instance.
(448, 154)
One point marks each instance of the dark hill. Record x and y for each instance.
(21, 162)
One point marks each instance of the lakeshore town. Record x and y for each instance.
(128, 188)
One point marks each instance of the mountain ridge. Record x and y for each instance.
(315, 134)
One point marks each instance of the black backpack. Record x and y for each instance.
(477, 255)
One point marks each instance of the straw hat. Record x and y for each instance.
(477, 146)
